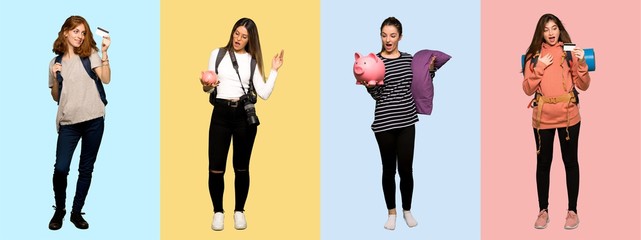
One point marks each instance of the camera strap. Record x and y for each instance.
(234, 63)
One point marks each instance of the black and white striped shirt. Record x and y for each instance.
(395, 107)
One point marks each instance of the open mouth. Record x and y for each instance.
(552, 39)
(388, 46)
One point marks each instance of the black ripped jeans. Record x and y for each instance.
(569, 153)
(397, 146)
(227, 124)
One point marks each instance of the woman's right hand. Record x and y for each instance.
(208, 86)
(547, 59)
(56, 68)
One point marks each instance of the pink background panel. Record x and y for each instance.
(609, 155)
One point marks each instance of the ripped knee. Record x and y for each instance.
(240, 171)
(216, 171)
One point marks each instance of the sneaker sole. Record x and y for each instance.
(571, 227)
(216, 229)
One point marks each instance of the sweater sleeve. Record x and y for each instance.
(376, 92)
(580, 75)
(51, 76)
(533, 76)
(264, 89)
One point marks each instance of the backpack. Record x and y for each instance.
(87, 64)
(219, 58)
(534, 60)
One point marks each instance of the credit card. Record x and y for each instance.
(102, 32)
(568, 46)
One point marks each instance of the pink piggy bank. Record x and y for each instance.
(369, 69)
(209, 77)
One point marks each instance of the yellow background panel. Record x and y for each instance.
(284, 196)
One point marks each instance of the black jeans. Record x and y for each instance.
(569, 153)
(68, 136)
(397, 146)
(227, 124)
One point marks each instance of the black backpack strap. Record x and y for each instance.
(568, 59)
(59, 77)
(251, 76)
(219, 58)
(101, 89)
(534, 60)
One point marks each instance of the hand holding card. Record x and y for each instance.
(106, 39)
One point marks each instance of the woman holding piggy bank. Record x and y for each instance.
(394, 119)
(552, 73)
(232, 89)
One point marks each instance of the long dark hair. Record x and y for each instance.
(60, 45)
(392, 21)
(537, 39)
(253, 45)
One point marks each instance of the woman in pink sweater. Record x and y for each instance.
(553, 74)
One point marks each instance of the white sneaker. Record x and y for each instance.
(219, 222)
(409, 219)
(239, 221)
(391, 222)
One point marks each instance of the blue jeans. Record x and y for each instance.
(68, 137)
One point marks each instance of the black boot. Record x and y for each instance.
(56, 220)
(76, 219)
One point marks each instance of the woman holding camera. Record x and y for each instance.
(394, 120)
(233, 116)
(552, 74)
(81, 110)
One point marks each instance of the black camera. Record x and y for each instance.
(248, 101)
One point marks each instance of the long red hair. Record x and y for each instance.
(88, 44)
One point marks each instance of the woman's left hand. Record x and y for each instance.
(277, 62)
(106, 42)
(579, 53)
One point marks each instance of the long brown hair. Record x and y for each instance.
(392, 21)
(253, 45)
(60, 46)
(537, 39)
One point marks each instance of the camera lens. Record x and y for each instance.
(252, 119)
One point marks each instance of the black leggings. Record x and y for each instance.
(229, 123)
(569, 152)
(397, 145)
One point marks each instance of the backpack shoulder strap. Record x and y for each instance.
(251, 75)
(568, 58)
(58, 59)
(58, 76)
(101, 89)
(533, 61)
(219, 57)
(252, 69)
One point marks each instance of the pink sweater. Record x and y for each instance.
(550, 81)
